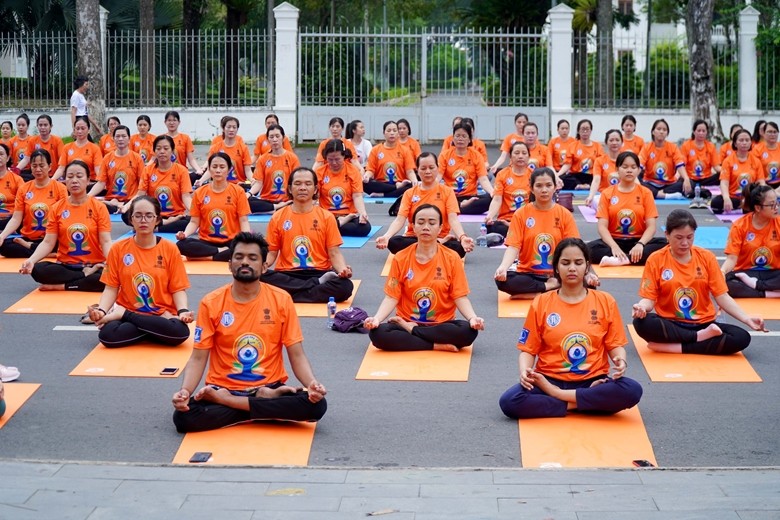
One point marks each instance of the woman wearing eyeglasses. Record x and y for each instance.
(145, 282)
(752, 265)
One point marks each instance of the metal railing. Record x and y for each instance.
(375, 68)
(768, 76)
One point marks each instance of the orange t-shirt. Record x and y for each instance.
(121, 174)
(583, 157)
(245, 339)
(462, 173)
(9, 187)
(107, 144)
(572, 340)
(21, 148)
(559, 151)
(725, 151)
(660, 164)
(699, 163)
(413, 145)
(35, 204)
(303, 239)
(627, 213)
(338, 189)
(273, 171)
(146, 278)
(536, 233)
(426, 293)
(514, 190)
(770, 161)
(239, 155)
(740, 173)
(347, 143)
(440, 196)
(167, 187)
(78, 230)
(538, 157)
(262, 146)
(754, 248)
(635, 144)
(182, 147)
(143, 146)
(390, 164)
(89, 153)
(509, 140)
(682, 291)
(54, 146)
(607, 169)
(219, 213)
(476, 144)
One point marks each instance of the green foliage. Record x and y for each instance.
(445, 62)
(510, 14)
(519, 78)
(628, 82)
(335, 77)
(669, 76)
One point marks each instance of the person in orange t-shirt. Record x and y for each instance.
(34, 200)
(538, 155)
(768, 152)
(534, 230)
(120, 173)
(725, 148)
(268, 191)
(738, 171)
(577, 171)
(427, 282)
(566, 345)
(21, 143)
(605, 173)
(145, 297)
(106, 142)
(341, 191)
(219, 211)
(663, 166)
(511, 192)
(304, 243)
(9, 186)
(429, 191)
(390, 167)
(80, 229)
(336, 129)
(263, 144)
(184, 150)
(81, 149)
(679, 282)
(45, 140)
(560, 147)
(631, 141)
(6, 133)
(627, 217)
(462, 168)
(231, 144)
(752, 265)
(242, 329)
(142, 143)
(506, 145)
(405, 138)
(702, 160)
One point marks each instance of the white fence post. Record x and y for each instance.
(559, 63)
(286, 68)
(748, 63)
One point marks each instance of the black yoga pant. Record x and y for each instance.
(523, 283)
(389, 336)
(712, 180)
(387, 189)
(675, 187)
(4, 222)
(193, 247)
(498, 227)
(572, 180)
(717, 203)
(654, 328)
(257, 206)
(11, 249)
(304, 285)
(134, 328)
(205, 415)
(354, 228)
(599, 249)
(399, 243)
(70, 275)
(476, 207)
(768, 280)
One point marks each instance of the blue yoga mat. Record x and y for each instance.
(166, 236)
(711, 237)
(260, 218)
(378, 200)
(357, 242)
(116, 217)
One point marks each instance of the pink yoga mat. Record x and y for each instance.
(472, 218)
(589, 213)
(729, 217)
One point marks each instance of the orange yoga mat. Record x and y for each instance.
(693, 368)
(767, 308)
(206, 267)
(319, 310)
(54, 302)
(508, 308)
(427, 365)
(388, 263)
(585, 441)
(16, 394)
(252, 444)
(142, 360)
(10, 265)
(621, 271)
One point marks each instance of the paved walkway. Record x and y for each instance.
(122, 491)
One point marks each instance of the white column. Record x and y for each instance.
(286, 71)
(748, 63)
(560, 63)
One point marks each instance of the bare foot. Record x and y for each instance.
(543, 384)
(271, 393)
(168, 315)
(115, 313)
(208, 393)
(22, 242)
(347, 218)
(92, 269)
(446, 347)
(551, 284)
(747, 280)
(406, 325)
(52, 287)
(598, 382)
(710, 332)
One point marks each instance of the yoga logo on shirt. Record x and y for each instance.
(518, 199)
(78, 240)
(391, 170)
(533, 163)
(625, 222)
(744, 179)
(575, 348)
(277, 181)
(164, 196)
(698, 168)
(613, 178)
(543, 248)
(685, 299)
(660, 170)
(772, 170)
(425, 298)
(39, 212)
(337, 196)
(301, 246)
(3, 208)
(585, 167)
(248, 350)
(460, 177)
(144, 287)
(761, 258)
(217, 223)
(120, 183)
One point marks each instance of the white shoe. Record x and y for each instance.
(613, 261)
(8, 374)
(674, 196)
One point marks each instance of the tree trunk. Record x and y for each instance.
(704, 103)
(233, 21)
(146, 26)
(90, 57)
(581, 67)
(192, 13)
(604, 56)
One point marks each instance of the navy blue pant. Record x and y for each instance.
(607, 398)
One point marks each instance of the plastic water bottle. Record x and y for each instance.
(697, 193)
(482, 238)
(331, 311)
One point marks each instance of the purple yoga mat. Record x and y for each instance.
(589, 213)
(729, 217)
(472, 218)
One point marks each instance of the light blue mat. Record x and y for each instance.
(357, 242)
(117, 217)
(378, 200)
(166, 236)
(711, 237)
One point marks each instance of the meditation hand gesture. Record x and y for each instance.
(527, 378)
(381, 242)
(638, 311)
(620, 368)
(756, 323)
(316, 391)
(477, 323)
(370, 323)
